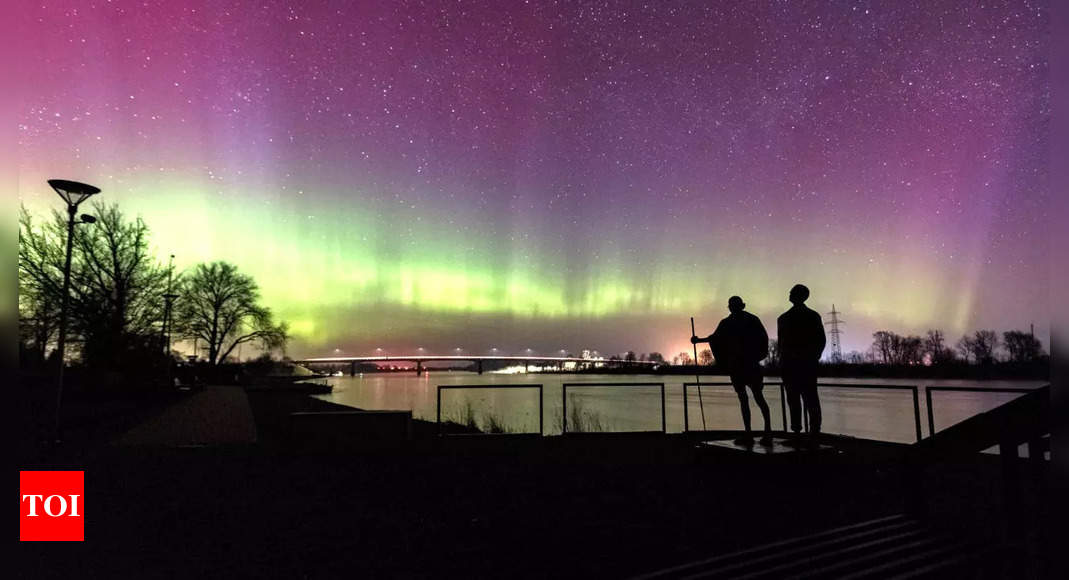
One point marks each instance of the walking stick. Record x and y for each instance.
(697, 377)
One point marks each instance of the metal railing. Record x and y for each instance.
(913, 389)
(686, 406)
(541, 414)
(928, 398)
(564, 400)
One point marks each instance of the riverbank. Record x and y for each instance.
(496, 506)
(563, 506)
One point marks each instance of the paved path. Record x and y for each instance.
(213, 416)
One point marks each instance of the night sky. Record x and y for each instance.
(563, 175)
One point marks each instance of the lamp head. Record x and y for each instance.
(88, 219)
(73, 192)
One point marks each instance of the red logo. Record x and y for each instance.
(51, 506)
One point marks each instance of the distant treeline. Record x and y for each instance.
(1038, 370)
(983, 347)
(984, 354)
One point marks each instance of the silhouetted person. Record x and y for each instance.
(739, 344)
(801, 342)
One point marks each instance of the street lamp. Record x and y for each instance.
(74, 193)
(168, 303)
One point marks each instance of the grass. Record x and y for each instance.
(491, 423)
(581, 419)
(494, 425)
(468, 416)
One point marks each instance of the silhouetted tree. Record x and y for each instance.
(910, 350)
(1021, 346)
(895, 349)
(883, 345)
(854, 357)
(966, 348)
(656, 357)
(630, 356)
(38, 324)
(984, 344)
(684, 358)
(935, 349)
(117, 287)
(705, 357)
(220, 306)
(980, 347)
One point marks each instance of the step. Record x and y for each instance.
(777, 550)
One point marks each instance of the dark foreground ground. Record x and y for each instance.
(584, 506)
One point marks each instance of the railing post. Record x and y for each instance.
(931, 413)
(686, 411)
(438, 411)
(1011, 499)
(664, 418)
(917, 413)
(564, 409)
(541, 428)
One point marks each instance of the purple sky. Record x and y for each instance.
(564, 175)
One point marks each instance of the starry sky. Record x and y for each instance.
(556, 175)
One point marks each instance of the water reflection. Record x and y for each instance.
(874, 414)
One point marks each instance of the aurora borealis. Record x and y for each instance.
(563, 175)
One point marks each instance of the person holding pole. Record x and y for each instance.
(739, 344)
(800, 331)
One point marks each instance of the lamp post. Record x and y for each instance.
(74, 193)
(168, 304)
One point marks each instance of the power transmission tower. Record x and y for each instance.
(836, 344)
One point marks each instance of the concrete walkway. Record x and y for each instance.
(213, 416)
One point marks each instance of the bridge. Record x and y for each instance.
(476, 360)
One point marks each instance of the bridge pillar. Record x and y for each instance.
(419, 368)
(352, 369)
(525, 369)
(479, 364)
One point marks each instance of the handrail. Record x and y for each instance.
(541, 429)
(686, 402)
(928, 397)
(564, 400)
(1018, 421)
(783, 402)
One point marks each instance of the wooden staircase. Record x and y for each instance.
(889, 547)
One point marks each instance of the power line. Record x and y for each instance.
(836, 343)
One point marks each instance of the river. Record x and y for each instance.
(885, 415)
